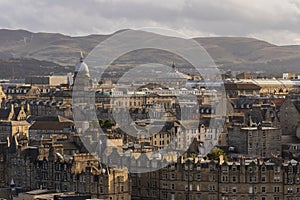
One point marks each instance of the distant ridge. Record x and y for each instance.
(235, 53)
(19, 68)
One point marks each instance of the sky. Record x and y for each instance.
(275, 21)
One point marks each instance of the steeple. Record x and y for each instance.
(81, 67)
(78, 66)
(81, 56)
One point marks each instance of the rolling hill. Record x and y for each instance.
(58, 51)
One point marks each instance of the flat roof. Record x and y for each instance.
(39, 191)
(262, 128)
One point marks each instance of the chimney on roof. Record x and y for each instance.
(12, 108)
(242, 164)
(221, 159)
(242, 160)
(27, 108)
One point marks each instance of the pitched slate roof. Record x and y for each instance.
(44, 125)
(51, 123)
(4, 113)
(241, 86)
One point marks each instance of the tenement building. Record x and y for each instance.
(207, 179)
(290, 114)
(49, 169)
(254, 129)
(259, 141)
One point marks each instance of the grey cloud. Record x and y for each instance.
(276, 21)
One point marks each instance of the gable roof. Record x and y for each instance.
(50, 125)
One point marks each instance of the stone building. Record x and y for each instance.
(274, 86)
(83, 174)
(290, 114)
(52, 80)
(244, 75)
(22, 92)
(11, 111)
(3, 166)
(51, 107)
(9, 129)
(47, 126)
(185, 178)
(254, 128)
(289, 76)
(21, 164)
(239, 179)
(255, 141)
(100, 182)
(236, 89)
(48, 168)
(2, 95)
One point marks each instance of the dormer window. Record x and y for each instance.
(224, 169)
(277, 169)
(233, 168)
(290, 170)
(250, 169)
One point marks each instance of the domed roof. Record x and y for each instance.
(174, 74)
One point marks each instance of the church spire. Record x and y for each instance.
(81, 56)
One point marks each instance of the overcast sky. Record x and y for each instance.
(276, 21)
